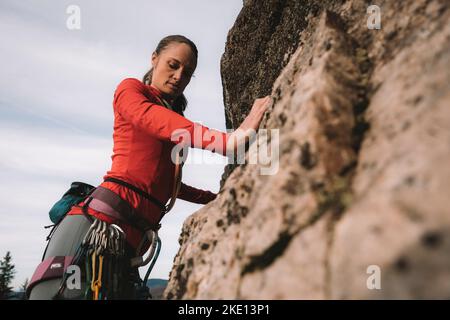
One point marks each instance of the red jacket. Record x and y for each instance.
(142, 152)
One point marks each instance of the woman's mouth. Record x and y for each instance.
(173, 86)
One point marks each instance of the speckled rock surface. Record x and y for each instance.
(364, 146)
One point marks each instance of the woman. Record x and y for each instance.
(148, 115)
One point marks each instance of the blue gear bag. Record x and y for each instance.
(78, 192)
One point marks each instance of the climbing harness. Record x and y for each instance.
(102, 254)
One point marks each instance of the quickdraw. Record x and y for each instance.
(103, 250)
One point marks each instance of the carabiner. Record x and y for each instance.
(150, 236)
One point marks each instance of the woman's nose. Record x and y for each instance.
(177, 75)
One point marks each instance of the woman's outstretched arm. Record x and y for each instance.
(131, 102)
(134, 106)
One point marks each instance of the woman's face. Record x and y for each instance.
(173, 69)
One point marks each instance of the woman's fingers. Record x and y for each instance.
(261, 104)
(266, 103)
(256, 114)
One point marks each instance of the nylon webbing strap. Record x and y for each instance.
(111, 204)
(138, 191)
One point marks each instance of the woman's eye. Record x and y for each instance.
(172, 66)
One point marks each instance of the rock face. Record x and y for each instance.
(359, 205)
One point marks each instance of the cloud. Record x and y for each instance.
(49, 152)
(56, 90)
(71, 81)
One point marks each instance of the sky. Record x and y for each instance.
(56, 117)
